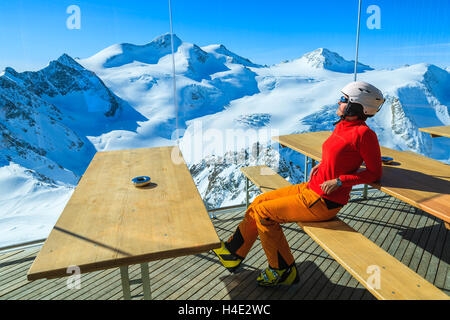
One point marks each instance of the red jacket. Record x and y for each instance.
(351, 143)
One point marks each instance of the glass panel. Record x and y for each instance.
(98, 75)
(408, 45)
(276, 68)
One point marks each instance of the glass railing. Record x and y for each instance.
(99, 75)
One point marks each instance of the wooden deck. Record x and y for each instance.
(417, 239)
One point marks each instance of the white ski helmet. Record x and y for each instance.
(366, 95)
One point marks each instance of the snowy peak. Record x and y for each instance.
(152, 53)
(323, 58)
(199, 54)
(165, 40)
(437, 81)
(10, 75)
(66, 77)
(220, 50)
(67, 61)
(34, 134)
(125, 53)
(10, 72)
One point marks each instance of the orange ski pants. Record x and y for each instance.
(263, 217)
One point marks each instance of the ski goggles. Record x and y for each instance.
(343, 99)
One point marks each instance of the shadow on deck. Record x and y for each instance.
(415, 238)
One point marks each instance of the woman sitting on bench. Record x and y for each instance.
(327, 191)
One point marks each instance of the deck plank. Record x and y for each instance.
(354, 218)
(378, 235)
(373, 213)
(412, 236)
(427, 261)
(179, 269)
(323, 257)
(386, 235)
(437, 253)
(443, 273)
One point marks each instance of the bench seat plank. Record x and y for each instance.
(357, 254)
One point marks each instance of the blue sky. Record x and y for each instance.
(34, 32)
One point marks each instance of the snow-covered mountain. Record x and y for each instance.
(125, 53)
(207, 81)
(46, 120)
(221, 52)
(53, 120)
(323, 58)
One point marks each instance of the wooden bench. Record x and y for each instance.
(357, 254)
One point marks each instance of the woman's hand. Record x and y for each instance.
(313, 171)
(329, 186)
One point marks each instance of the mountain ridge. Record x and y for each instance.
(329, 60)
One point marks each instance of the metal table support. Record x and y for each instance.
(247, 200)
(305, 176)
(145, 282)
(125, 282)
(366, 187)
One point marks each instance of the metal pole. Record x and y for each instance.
(365, 191)
(146, 281)
(173, 73)
(22, 245)
(125, 282)
(227, 207)
(305, 178)
(247, 196)
(357, 40)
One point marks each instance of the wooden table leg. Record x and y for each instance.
(447, 225)
(125, 283)
(146, 281)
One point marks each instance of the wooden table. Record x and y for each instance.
(108, 222)
(443, 131)
(420, 181)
